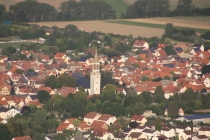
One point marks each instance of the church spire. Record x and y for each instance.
(96, 55)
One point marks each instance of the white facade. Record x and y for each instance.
(13, 112)
(95, 76)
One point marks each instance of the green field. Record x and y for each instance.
(161, 26)
(118, 5)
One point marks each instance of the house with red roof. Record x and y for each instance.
(61, 56)
(99, 125)
(141, 44)
(139, 119)
(22, 138)
(91, 116)
(108, 119)
(5, 89)
(65, 91)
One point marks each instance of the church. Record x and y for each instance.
(95, 76)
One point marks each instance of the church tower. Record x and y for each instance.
(95, 76)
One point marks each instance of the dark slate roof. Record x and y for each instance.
(120, 135)
(77, 75)
(31, 74)
(179, 49)
(197, 117)
(126, 130)
(22, 79)
(197, 45)
(197, 49)
(3, 109)
(33, 97)
(152, 50)
(170, 65)
(145, 51)
(83, 59)
(63, 65)
(83, 82)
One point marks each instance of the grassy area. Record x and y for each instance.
(197, 18)
(15, 44)
(161, 26)
(118, 5)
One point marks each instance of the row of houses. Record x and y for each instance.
(100, 126)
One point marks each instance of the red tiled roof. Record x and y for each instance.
(23, 138)
(65, 91)
(137, 117)
(62, 127)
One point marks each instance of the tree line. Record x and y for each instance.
(160, 8)
(33, 11)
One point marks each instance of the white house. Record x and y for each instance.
(12, 112)
(179, 129)
(168, 132)
(185, 135)
(207, 82)
(200, 137)
(139, 119)
(108, 119)
(204, 131)
(150, 133)
(91, 116)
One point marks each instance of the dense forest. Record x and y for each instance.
(33, 11)
(160, 8)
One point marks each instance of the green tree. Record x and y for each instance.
(106, 78)
(59, 136)
(159, 95)
(18, 71)
(81, 96)
(76, 108)
(173, 110)
(31, 70)
(40, 117)
(4, 132)
(91, 107)
(43, 96)
(51, 81)
(206, 46)
(49, 105)
(144, 78)
(168, 30)
(8, 66)
(158, 125)
(2, 10)
(138, 109)
(66, 80)
(61, 46)
(184, 8)
(206, 35)
(109, 92)
(170, 50)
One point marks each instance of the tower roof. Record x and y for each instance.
(96, 55)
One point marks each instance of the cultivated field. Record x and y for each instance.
(190, 22)
(146, 27)
(106, 27)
